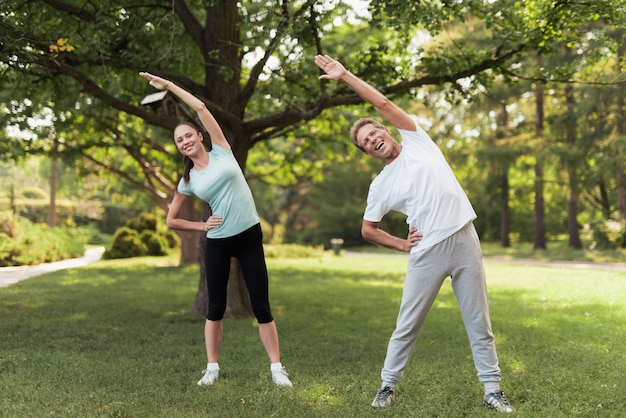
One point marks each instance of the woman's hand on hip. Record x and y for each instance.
(213, 222)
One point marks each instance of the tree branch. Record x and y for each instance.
(250, 86)
(72, 10)
(192, 26)
(267, 127)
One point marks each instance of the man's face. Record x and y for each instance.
(377, 142)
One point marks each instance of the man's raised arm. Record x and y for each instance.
(391, 112)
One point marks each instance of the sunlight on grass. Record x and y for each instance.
(78, 316)
(374, 283)
(516, 366)
(322, 394)
(175, 313)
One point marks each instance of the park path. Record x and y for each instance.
(10, 275)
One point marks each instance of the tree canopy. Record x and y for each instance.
(73, 65)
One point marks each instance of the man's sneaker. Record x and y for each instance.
(280, 377)
(210, 377)
(497, 401)
(383, 398)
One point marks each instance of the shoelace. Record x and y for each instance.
(382, 394)
(498, 398)
(281, 371)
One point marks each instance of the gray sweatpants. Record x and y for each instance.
(460, 257)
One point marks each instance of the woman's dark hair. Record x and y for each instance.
(187, 162)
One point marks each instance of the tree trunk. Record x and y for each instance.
(605, 202)
(539, 232)
(539, 228)
(620, 181)
(238, 301)
(189, 240)
(502, 133)
(505, 239)
(572, 211)
(201, 302)
(53, 194)
(572, 175)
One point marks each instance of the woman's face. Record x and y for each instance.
(187, 139)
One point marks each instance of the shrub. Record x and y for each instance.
(115, 216)
(67, 213)
(90, 234)
(36, 244)
(292, 251)
(34, 193)
(156, 244)
(126, 244)
(141, 236)
(143, 222)
(8, 224)
(610, 233)
(173, 241)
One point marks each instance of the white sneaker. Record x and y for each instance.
(279, 376)
(210, 377)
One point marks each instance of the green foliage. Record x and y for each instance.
(8, 224)
(126, 243)
(33, 193)
(142, 235)
(117, 335)
(292, 251)
(144, 222)
(173, 241)
(115, 216)
(90, 234)
(155, 243)
(610, 233)
(36, 244)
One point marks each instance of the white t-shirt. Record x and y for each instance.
(223, 186)
(420, 184)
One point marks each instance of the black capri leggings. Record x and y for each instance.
(247, 247)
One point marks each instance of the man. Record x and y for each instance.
(418, 182)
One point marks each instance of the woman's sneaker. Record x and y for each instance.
(383, 398)
(280, 377)
(210, 377)
(497, 401)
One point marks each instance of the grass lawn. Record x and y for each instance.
(115, 338)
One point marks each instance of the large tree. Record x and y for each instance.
(250, 61)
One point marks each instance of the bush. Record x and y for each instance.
(36, 244)
(141, 236)
(126, 244)
(610, 233)
(143, 222)
(8, 224)
(34, 193)
(91, 235)
(292, 251)
(115, 216)
(173, 241)
(156, 244)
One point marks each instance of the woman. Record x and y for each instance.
(232, 231)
